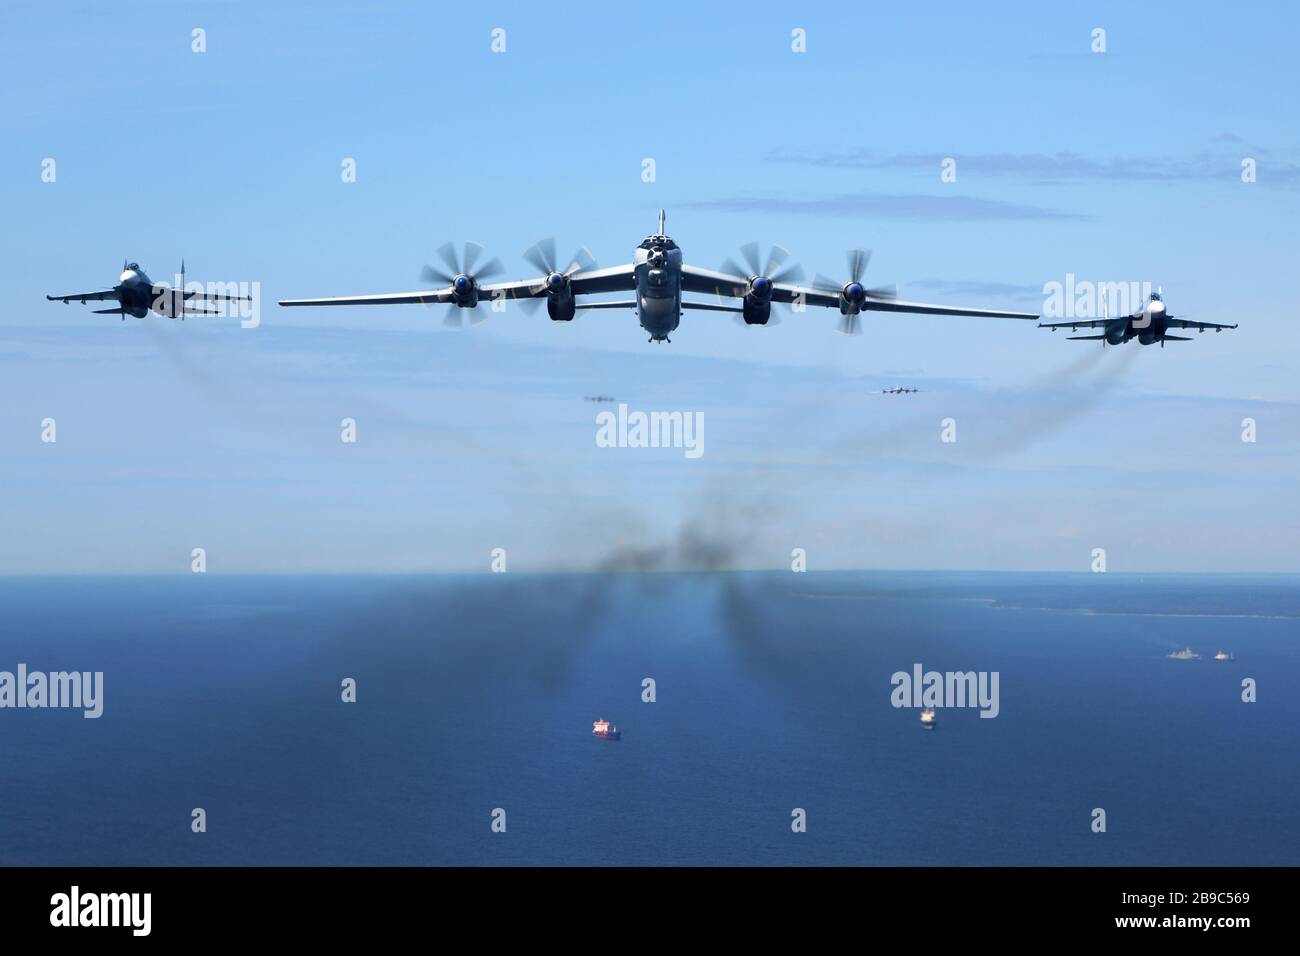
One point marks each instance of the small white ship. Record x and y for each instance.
(1186, 654)
(928, 718)
(1224, 656)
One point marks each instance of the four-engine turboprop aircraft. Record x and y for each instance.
(1150, 325)
(137, 295)
(659, 277)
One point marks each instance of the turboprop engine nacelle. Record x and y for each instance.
(561, 307)
(756, 307)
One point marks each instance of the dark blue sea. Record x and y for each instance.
(773, 693)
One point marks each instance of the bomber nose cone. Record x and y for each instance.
(462, 283)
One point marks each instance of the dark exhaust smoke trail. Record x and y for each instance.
(193, 373)
(1036, 421)
(255, 404)
(1023, 414)
(722, 528)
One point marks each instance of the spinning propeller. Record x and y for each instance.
(763, 277)
(853, 294)
(463, 279)
(554, 280)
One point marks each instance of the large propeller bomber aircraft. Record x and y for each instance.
(137, 295)
(659, 278)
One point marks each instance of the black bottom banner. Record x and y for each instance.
(333, 905)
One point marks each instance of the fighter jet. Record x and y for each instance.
(1151, 324)
(659, 278)
(137, 295)
(899, 390)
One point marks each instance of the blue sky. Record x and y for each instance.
(1123, 166)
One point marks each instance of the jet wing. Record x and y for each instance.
(1077, 324)
(215, 297)
(84, 297)
(166, 294)
(1173, 323)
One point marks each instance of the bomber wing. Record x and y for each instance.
(613, 279)
(724, 284)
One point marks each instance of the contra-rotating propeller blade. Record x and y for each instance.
(763, 274)
(462, 265)
(853, 291)
(455, 317)
(772, 270)
(462, 275)
(541, 256)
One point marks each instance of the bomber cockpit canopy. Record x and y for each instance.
(133, 267)
(663, 242)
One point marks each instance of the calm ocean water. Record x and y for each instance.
(773, 693)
